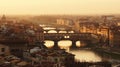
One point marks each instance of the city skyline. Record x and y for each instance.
(72, 7)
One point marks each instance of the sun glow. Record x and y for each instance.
(36, 7)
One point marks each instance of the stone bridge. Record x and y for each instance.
(88, 38)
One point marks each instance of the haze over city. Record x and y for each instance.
(59, 33)
(72, 7)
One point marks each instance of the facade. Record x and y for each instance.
(116, 37)
(86, 26)
(35, 34)
(77, 27)
(4, 49)
(64, 21)
(39, 33)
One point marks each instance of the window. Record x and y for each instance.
(2, 49)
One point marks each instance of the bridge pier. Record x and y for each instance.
(67, 31)
(73, 44)
(56, 45)
(57, 31)
(46, 31)
(84, 38)
(86, 43)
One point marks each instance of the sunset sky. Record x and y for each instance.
(37, 7)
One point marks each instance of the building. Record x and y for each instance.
(20, 35)
(116, 37)
(48, 57)
(65, 21)
(4, 20)
(86, 26)
(35, 33)
(4, 49)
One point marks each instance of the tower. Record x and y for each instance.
(3, 19)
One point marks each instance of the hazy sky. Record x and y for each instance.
(35, 7)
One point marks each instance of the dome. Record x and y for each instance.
(3, 18)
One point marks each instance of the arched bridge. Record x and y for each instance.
(86, 37)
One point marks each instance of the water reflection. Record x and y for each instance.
(52, 31)
(71, 32)
(62, 31)
(86, 56)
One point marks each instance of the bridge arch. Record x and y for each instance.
(84, 38)
(52, 31)
(58, 31)
(49, 43)
(80, 43)
(62, 32)
(65, 43)
(71, 32)
(45, 31)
